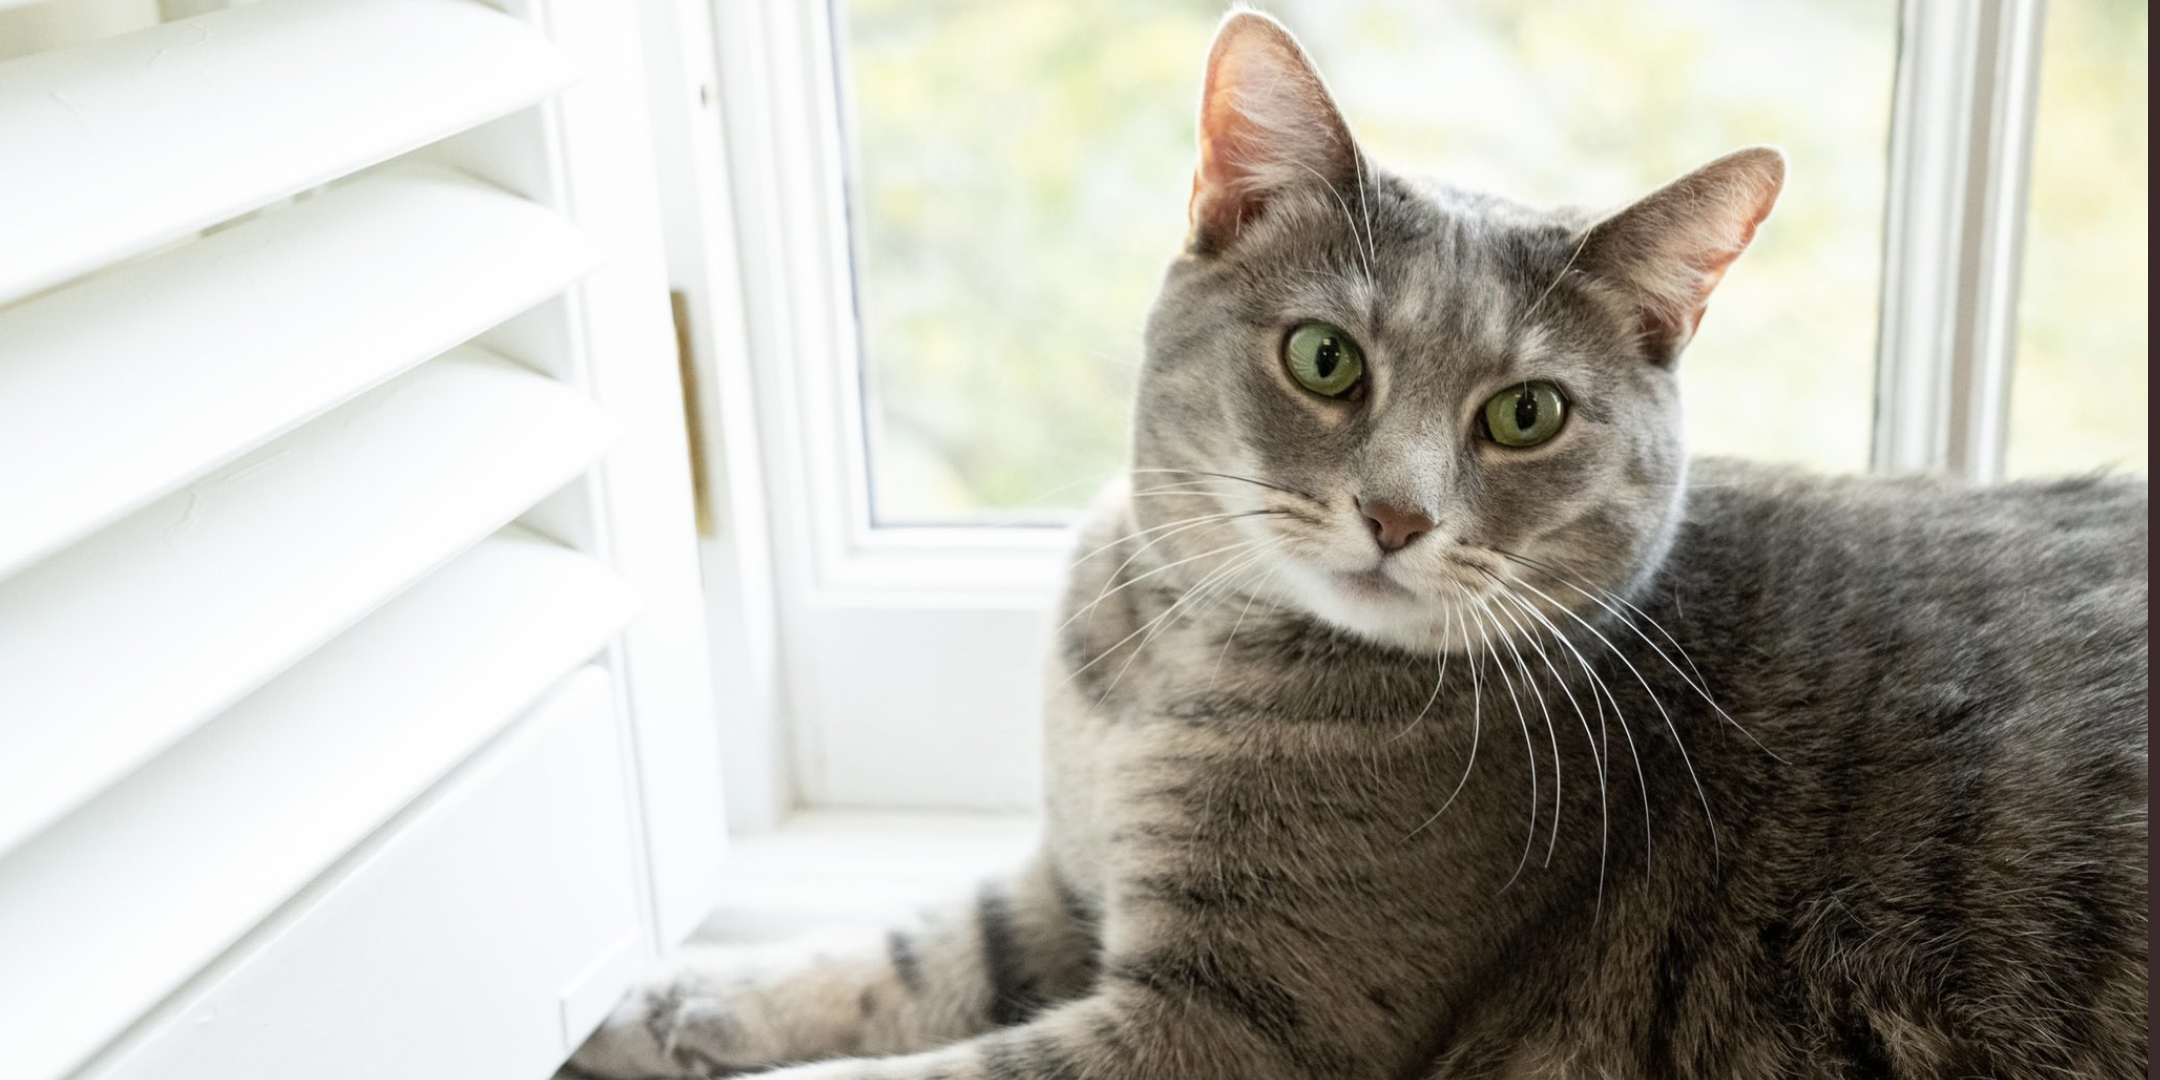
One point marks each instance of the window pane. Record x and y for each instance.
(2077, 394)
(1023, 168)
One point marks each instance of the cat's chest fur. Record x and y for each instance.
(1243, 782)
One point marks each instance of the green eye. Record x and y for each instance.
(1323, 359)
(1526, 414)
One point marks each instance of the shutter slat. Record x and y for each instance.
(234, 339)
(119, 644)
(143, 138)
(468, 943)
(114, 907)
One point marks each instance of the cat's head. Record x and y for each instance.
(1392, 404)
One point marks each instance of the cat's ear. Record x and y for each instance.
(1267, 126)
(1667, 251)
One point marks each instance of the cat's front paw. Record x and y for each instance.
(697, 1018)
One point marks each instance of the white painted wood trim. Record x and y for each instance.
(167, 130)
(823, 868)
(1960, 162)
(162, 619)
(450, 937)
(117, 646)
(906, 654)
(622, 322)
(1980, 387)
(362, 282)
(105, 914)
(697, 200)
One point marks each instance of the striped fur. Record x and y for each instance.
(1630, 768)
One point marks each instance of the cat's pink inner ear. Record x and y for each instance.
(1267, 126)
(1669, 250)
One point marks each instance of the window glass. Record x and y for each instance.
(1021, 171)
(2077, 392)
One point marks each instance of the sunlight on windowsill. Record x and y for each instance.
(831, 867)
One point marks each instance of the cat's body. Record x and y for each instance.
(1929, 802)
(1401, 728)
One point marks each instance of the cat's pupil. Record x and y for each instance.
(1327, 358)
(1525, 410)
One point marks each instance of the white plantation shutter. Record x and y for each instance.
(353, 700)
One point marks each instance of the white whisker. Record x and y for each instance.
(1529, 748)
(1107, 591)
(1552, 733)
(1199, 588)
(1438, 682)
(1372, 248)
(1597, 686)
(1596, 758)
(1697, 684)
(1351, 221)
(1229, 476)
(1225, 516)
(1475, 710)
(1670, 726)
(1240, 624)
(1557, 278)
(1122, 586)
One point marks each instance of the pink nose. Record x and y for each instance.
(1392, 527)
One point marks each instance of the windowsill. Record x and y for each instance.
(831, 867)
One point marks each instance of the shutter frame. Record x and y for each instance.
(337, 391)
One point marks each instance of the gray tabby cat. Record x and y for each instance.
(1423, 713)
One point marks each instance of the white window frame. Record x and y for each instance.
(908, 659)
(1968, 85)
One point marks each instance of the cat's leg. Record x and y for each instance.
(1016, 947)
(1123, 1031)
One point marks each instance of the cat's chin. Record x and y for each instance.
(1375, 606)
(1373, 586)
